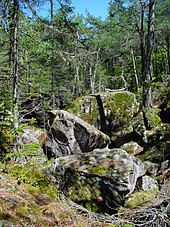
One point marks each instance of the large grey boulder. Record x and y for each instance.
(69, 135)
(99, 180)
(30, 143)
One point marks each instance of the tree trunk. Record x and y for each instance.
(15, 72)
(52, 59)
(123, 79)
(100, 84)
(102, 114)
(76, 86)
(142, 42)
(91, 79)
(135, 71)
(147, 93)
(156, 61)
(92, 73)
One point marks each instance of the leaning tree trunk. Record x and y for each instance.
(147, 93)
(15, 72)
(103, 125)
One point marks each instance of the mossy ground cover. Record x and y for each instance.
(28, 198)
(141, 198)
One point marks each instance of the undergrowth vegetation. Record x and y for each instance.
(29, 198)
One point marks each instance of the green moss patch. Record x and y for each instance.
(152, 115)
(140, 198)
(119, 106)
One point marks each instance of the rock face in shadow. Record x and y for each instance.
(69, 135)
(99, 180)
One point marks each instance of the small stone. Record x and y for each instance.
(132, 148)
(165, 165)
(3, 177)
(151, 168)
(149, 183)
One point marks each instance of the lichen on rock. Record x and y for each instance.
(105, 176)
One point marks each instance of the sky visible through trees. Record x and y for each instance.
(97, 8)
(62, 54)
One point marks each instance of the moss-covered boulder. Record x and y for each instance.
(99, 180)
(119, 108)
(156, 144)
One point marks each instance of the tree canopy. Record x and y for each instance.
(61, 54)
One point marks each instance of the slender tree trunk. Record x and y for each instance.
(15, 72)
(91, 79)
(94, 78)
(147, 93)
(76, 86)
(93, 74)
(142, 42)
(28, 79)
(100, 84)
(123, 79)
(135, 70)
(11, 35)
(78, 80)
(156, 61)
(52, 58)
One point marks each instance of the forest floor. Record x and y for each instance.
(28, 197)
(24, 203)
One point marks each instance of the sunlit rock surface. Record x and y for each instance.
(100, 179)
